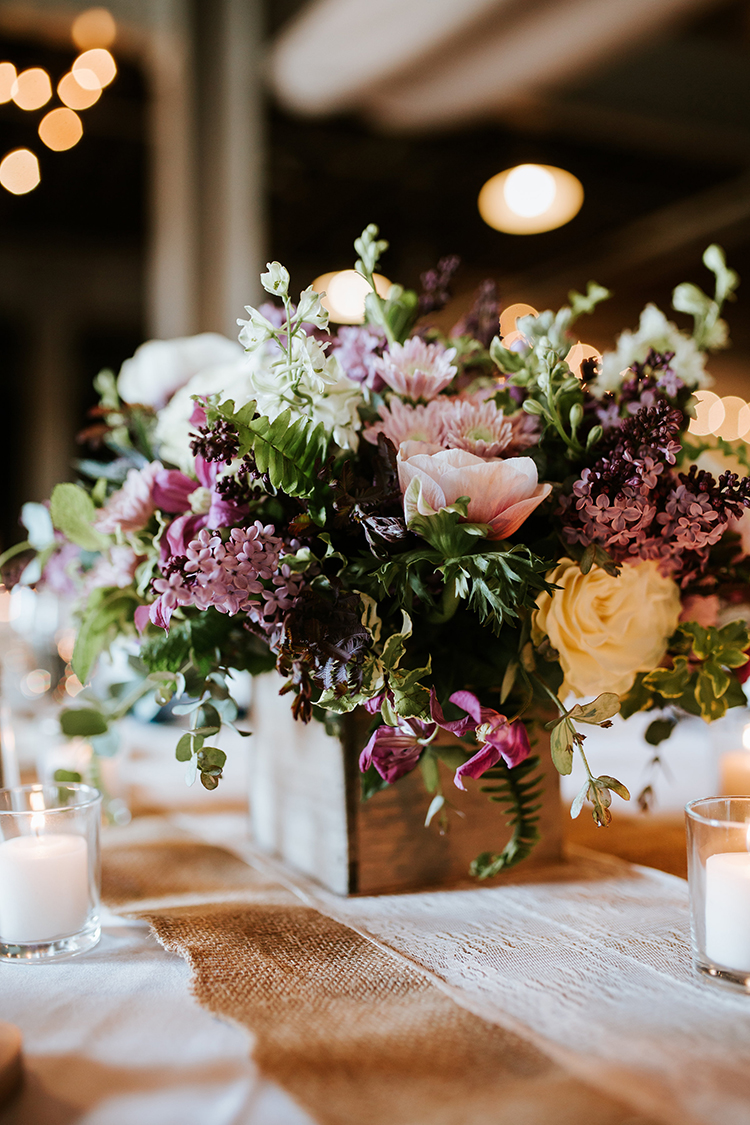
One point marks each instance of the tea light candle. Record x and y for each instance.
(728, 910)
(44, 887)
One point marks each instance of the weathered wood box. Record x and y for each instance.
(305, 808)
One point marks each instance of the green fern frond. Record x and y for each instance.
(519, 791)
(290, 452)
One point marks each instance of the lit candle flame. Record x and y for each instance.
(36, 800)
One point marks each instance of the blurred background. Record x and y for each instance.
(168, 147)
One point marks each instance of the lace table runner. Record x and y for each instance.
(352, 1030)
(593, 963)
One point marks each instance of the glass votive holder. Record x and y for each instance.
(50, 871)
(718, 852)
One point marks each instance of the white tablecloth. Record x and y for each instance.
(114, 1038)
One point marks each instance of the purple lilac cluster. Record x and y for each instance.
(242, 574)
(358, 350)
(632, 503)
(647, 384)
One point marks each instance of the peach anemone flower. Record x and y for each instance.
(503, 493)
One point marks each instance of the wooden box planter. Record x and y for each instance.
(305, 808)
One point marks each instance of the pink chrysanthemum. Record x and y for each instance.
(416, 369)
(131, 507)
(481, 429)
(402, 422)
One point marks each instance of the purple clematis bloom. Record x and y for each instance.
(395, 751)
(201, 505)
(500, 738)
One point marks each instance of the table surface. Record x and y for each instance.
(115, 1037)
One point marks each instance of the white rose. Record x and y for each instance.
(606, 629)
(173, 427)
(654, 331)
(161, 367)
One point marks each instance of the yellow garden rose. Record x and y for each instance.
(607, 629)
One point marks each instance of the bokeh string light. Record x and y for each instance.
(32, 88)
(8, 76)
(95, 27)
(61, 128)
(72, 94)
(19, 171)
(94, 69)
(727, 418)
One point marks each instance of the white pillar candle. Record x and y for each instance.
(44, 887)
(734, 773)
(728, 910)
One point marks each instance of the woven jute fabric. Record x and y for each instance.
(351, 1031)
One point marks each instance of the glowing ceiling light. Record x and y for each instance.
(7, 78)
(509, 316)
(529, 190)
(346, 291)
(578, 354)
(32, 88)
(94, 69)
(95, 27)
(72, 94)
(19, 171)
(530, 198)
(60, 129)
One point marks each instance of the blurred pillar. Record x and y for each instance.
(172, 274)
(229, 139)
(207, 158)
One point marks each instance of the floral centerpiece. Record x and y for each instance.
(455, 533)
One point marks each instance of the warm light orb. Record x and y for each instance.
(576, 356)
(731, 426)
(19, 171)
(7, 78)
(509, 317)
(95, 27)
(346, 291)
(94, 69)
(529, 190)
(60, 129)
(709, 413)
(530, 198)
(32, 88)
(73, 95)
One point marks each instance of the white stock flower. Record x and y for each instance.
(276, 281)
(654, 331)
(161, 367)
(256, 330)
(310, 310)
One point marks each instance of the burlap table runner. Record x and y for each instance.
(351, 1031)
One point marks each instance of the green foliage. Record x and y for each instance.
(73, 512)
(709, 330)
(108, 614)
(659, 731)
(83, 722)
(519, 791)
(599, 790)
(700, 680)
(291, 453)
